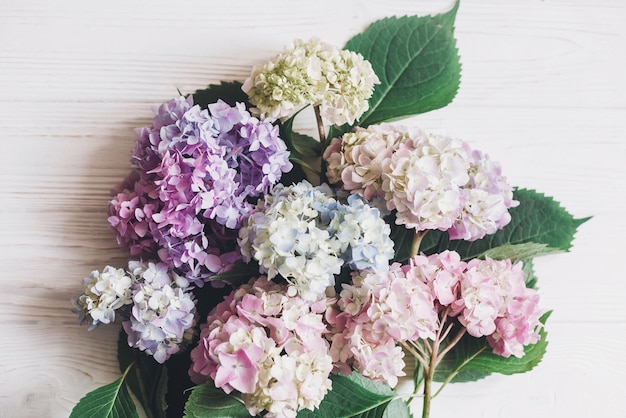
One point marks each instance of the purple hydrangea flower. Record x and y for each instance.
(196, 171)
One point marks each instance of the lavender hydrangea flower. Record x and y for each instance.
(163, 310)
(196, 172)
(156, 305)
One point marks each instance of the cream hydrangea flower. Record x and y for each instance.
(312, 72)
(103, 293)
(358, 158)
(423, 182)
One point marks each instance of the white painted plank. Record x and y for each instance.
(543, 92)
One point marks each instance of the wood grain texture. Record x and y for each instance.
(543, 92)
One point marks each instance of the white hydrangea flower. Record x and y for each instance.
(351, 81)
(364, 236)
(316, 73)
(294, 382)
(305, 235)
(287, 237)
(103, 294)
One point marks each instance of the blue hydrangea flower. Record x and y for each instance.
(305, 235)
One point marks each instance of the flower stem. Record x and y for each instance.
(429, 373)
(411, 349)
(435, 354)
(415, 245)
(452, 343)
(427, 397)
(320, 127)
(322, 135)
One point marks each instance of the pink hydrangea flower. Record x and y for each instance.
(489, 298)
(442, 273)
(519, 326)
(358, 159)
(373, 314)
(268, 346)
(433, 182)
(486, 199)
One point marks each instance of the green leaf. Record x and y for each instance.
(352, 396)
(417, 62)
(473, 359)
(529, 273)
(538, 219)
(109, 401)
(305, 146)
(297, 173)
(304, 164)
(402, 238)
(147, 378)
(397, 409)
(208, 401)
(230, 92)
(518, 252)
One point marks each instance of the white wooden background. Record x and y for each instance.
(543, 92)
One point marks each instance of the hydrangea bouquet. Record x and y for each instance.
(275, 274)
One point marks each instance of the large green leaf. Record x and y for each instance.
(230, 92)
(208, 401)
(417, 62)
(300, 145)
(538, 219)
(518, 252)
(397, 409)
(147, 378)
(473, 359)
(402, 239)
(353, 396)
(109, 401)
(296, 145)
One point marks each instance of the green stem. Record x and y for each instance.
(452, 343)
(429, 373)
(322, 135)
(455, 372)
(415, 245)
(320, 128)
(435, 356)
(415, 354)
